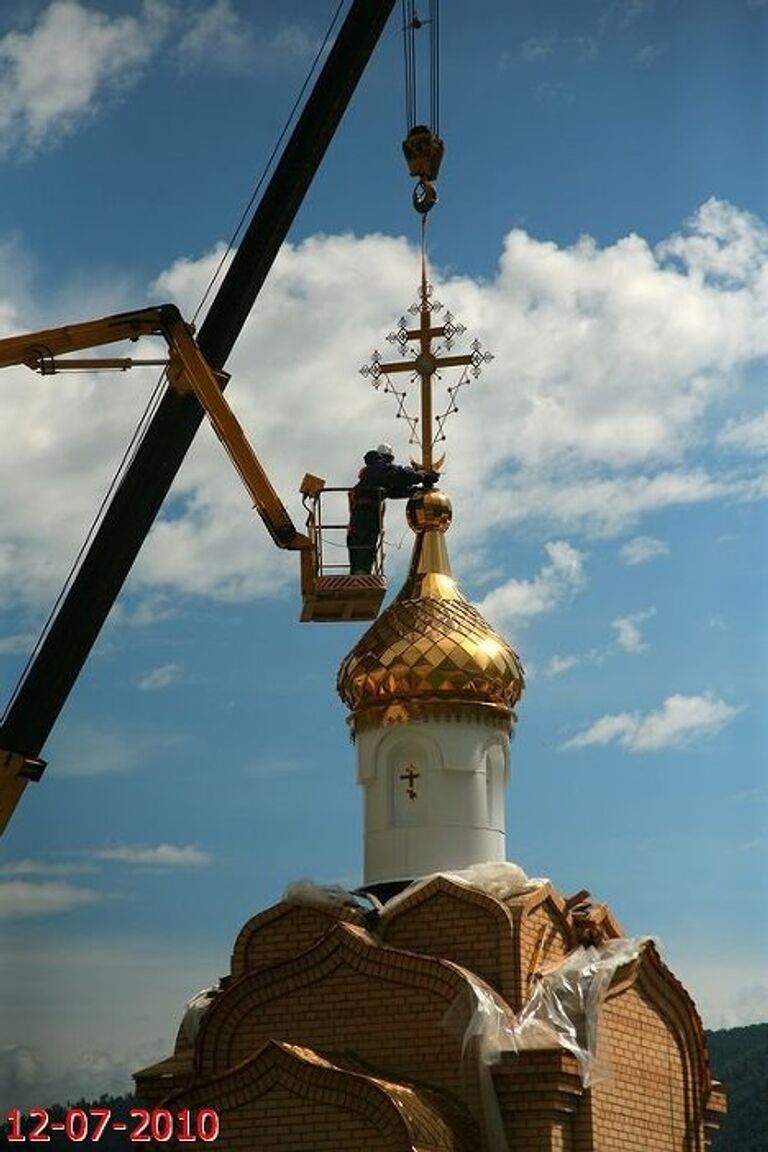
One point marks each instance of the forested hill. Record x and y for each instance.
(738, 1056)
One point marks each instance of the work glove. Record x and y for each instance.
(430, 479)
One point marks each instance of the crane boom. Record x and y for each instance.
(137, 500)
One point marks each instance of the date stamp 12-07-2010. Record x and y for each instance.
(88, 1125)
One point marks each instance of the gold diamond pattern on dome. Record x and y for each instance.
(430, 648)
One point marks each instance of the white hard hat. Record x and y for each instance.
(386, 450)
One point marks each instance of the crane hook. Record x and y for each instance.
(424, 197)
(423, 151)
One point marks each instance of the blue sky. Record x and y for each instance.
(603, 229)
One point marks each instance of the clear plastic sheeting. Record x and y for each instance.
(563, 1009)
(501, 879)
(313, 895)
(194, 1011)
(487, 1027)
(565, 1003)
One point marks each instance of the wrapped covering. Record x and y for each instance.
(562, 1009)
(318, 895)
(194, 1011)
(501, 879)
(564, 1004)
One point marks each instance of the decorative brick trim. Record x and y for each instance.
(410, 1118)
(663, 989)
(346, 947)
(544, 1081)
(530, 955)
(299, 936)
(443, 888)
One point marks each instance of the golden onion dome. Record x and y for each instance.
(430, 654)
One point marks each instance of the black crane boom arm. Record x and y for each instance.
(137, 500)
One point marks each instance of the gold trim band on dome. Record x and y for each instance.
(372, 716)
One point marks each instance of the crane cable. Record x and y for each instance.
(422, 146)
(154, 400)
(412, 23)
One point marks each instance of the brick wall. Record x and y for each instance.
(396, 1028)
(542, 943)
(346, 995)
(647, 1102)
(284, 1121)
(467, 928)
(539, 1093)
(282, 931)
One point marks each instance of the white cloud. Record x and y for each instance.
(599, 505)
(625, 12)
(641, 549)
(557, 665)
(16, 644)
(159, 678)
(721, 245)
(750, 435)
(216, 38)
(730, 990)
(518, 600)
(627, 629)
(537, 48)
(55, 75)
(27, 1079)
(680, 720)
(59, 73)
(90, 1010)
(647, 56)
(19, 1068)
(85, 750)
(617, 358)
(22, 899)
(164, 855)
(43, 868)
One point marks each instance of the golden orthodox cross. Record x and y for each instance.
(425, 364)
(411, 775)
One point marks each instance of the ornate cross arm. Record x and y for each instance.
(425, 364)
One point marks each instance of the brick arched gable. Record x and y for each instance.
(677, 1045)
(285, 930)
(348, 993)
(458, 923)
(294, 1088)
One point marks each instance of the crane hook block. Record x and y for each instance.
(424, 197)
(423, 152)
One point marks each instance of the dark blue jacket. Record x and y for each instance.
(381, 477)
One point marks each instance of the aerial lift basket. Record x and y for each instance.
(329, 592)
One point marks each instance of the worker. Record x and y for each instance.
(380, 478)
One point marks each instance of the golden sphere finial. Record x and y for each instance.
(429, 510)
